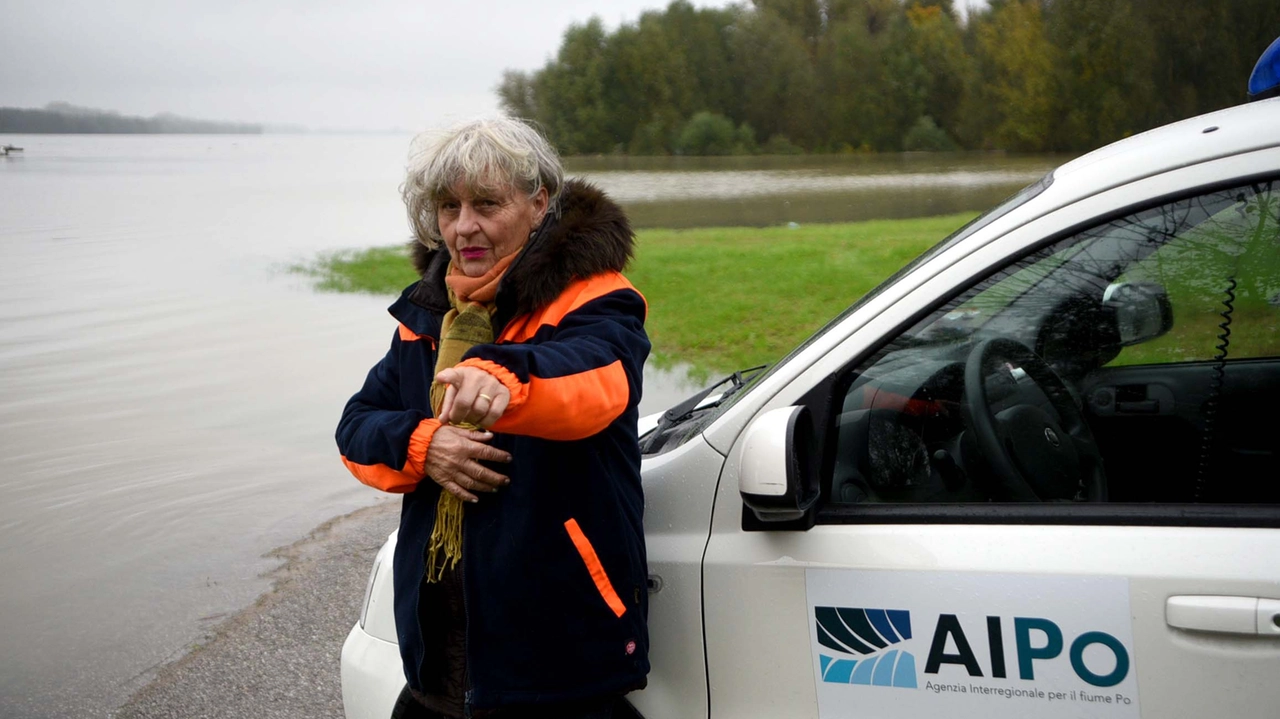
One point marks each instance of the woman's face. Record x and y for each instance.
(480, 229)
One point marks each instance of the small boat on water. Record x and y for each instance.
(9, 148)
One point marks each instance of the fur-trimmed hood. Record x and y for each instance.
(589, 234)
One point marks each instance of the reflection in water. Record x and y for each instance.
(665, 387)
(169, 398)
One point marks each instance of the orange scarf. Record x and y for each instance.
(482, 289)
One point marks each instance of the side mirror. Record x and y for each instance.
(1142, 310)
(777, 469)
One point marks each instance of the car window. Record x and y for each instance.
(1096, 369)
(1222, 271)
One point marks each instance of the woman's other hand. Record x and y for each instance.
(453, 461)
(473, 397)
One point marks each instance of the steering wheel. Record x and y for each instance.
(1035, 456)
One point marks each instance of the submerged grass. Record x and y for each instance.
(378, 271)
(720, 298)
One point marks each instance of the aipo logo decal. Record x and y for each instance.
(970, 644)
(861, 638)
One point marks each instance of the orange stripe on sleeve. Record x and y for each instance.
(519, 392)
(381, 476)
(598, 575)
(419, 441)
(565, 408)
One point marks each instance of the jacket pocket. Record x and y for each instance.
(595, 568)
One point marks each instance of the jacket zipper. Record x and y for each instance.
(466, 631)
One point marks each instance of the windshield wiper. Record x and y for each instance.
(685, 409)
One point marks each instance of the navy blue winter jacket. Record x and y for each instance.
(554, 574)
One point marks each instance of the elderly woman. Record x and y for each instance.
(505, 412)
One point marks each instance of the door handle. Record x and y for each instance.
(1230, 615)
(1146, 406)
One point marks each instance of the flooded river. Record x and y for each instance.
(168, 391)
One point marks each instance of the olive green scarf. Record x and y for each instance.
(467, 324)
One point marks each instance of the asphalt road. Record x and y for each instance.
(279, 657)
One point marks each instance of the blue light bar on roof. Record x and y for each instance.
(1265, 80)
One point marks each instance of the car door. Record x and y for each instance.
(924, 582)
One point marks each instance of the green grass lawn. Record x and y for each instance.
(729, 298)
(720, 298)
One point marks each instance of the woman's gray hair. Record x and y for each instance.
(483, 156)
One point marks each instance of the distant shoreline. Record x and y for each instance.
(63, 119)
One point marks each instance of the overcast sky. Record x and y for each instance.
(324, 64)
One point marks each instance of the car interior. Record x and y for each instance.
(1136, 361)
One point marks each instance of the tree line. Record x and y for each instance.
(781, 76)
(62, 118)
